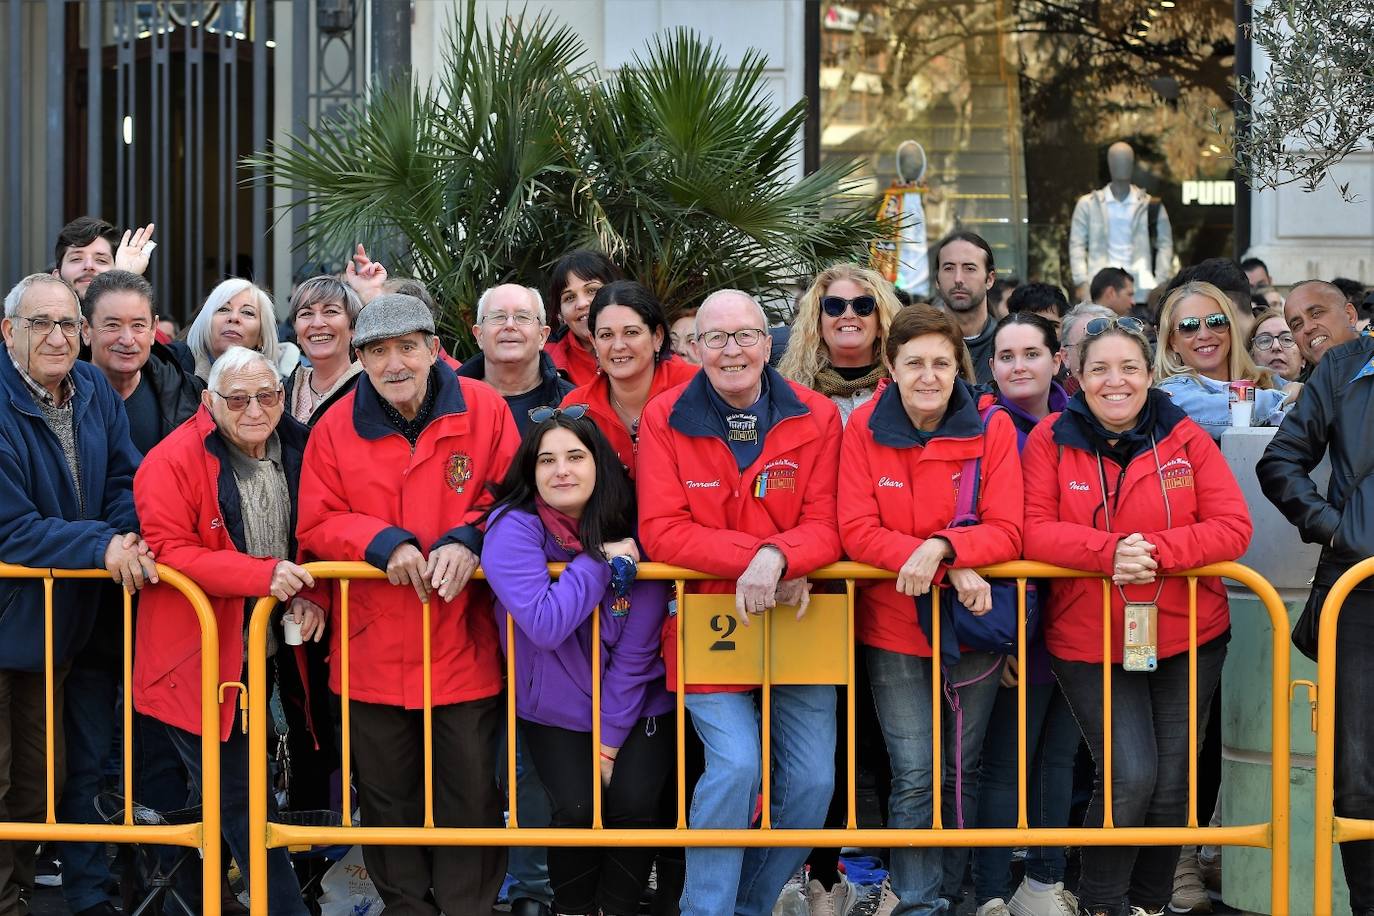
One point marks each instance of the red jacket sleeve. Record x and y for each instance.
(167, 495)
(1046, 538)
(1224, 530)
(866, 540)
(1001, 502)
(815, 540)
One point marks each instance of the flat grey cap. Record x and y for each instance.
(391, 315)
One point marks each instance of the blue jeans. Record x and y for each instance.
(283, 890)
(1051, 742)
(901, 693)
(527, 865)
(1149, 768)
(746, 882)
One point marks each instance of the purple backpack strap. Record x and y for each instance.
(966, 503)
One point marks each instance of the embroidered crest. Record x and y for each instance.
(458, 472)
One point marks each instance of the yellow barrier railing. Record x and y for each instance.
(762, 667)
(1331, 829)
(203, 835)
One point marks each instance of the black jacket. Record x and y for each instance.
(177, 391)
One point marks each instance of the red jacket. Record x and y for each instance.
(698, 509)
(573, 360)
(895, 493)
(668, 374)
(188, 505)
(364, 492)
(1064, 525)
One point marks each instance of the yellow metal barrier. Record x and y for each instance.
(1331, 829)
(203, 836)
(706, 620)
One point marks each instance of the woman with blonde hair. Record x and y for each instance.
(1197, 359)
(235, 314)
(836, 346)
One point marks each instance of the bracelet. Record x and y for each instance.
(606, 756)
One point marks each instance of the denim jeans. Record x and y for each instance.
(901, 693)
(1355, 741)
(528, 866)
(1149, 768)
(1051, 741)
(283, 890)
(747, 882)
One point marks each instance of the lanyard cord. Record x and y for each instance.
(1107, 512)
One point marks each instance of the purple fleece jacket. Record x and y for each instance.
(553, 632)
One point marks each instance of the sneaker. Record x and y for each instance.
(1027, 901)
(994, 907)
(838, 901)
(887, 901)
(1211, 871)
(1141, 911)
(47, 868)
(1190, 896)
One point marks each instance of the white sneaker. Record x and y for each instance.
(887, 901)
(1056, 901)
(1141, 911)
(838, 901)
(994, 907)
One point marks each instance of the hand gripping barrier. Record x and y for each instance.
(1331, 829)
(713, 649)
(203, 836)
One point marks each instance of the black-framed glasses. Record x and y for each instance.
(572, 412)
(1267, 341)
(43, 326)
(745, 337)
(1217, 321)
(1128, 323)
(834, 306)
(265, 399)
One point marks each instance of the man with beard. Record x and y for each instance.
(88, 246)
(964, 273)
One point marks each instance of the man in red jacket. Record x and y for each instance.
(393, 475)
(740, 469)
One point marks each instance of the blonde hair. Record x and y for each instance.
(198, 337)
(807, 353)
(1239, 365)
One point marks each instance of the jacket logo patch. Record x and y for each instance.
(778, 478)
(1179, 463)
(703, 484)
(1178, 476)
(1078, 486)
(889, 482)
(458, 471)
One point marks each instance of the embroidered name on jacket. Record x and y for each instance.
(703, 484)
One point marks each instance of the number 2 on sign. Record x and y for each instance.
(724, 624)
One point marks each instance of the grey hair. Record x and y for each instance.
(724, 293)
(1081, 312)
(16, 295)
(198, 337)
(324, 289)
(536, 299)
(237, 359)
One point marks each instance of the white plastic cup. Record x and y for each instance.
(291, 629)
(1241, 413)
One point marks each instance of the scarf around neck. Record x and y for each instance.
(562, 526)
(833, 385)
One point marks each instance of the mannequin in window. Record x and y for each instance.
(1120, 225)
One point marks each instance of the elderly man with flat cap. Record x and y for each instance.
(394, 475)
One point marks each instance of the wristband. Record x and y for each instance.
(606, 756)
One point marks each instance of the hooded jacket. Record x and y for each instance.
(1207, 522)
(669, 373)
(899, 489)
(365, 491)
(698, 509)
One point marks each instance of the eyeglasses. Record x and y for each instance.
(716, 340)
(497, 319)
(1267, 341)
(1127, 323)
(863, 306)
(1190, 326)
(238, 402)
(572, 412)
(43, 326)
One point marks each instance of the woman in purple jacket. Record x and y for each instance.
(567, 499)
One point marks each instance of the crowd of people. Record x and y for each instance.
(598, 431)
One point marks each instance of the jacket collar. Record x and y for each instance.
(1071, 427)
(476, 367)
(893, 428)
(22, 399)
(290, 433)
(693, 414)
(369, 420)
(1058, 400)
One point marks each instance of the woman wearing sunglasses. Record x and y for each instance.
(1123, 483)
(1273, 347)
(635, 356)
(566, 499)
(1198, 359)
(836, 345)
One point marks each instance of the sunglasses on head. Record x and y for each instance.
(572, 412)
(834, 306)
(1190, 326)
(1127, 323)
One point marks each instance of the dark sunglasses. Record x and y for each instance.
(1126, 323)
(1190, 326)
(834, 306)
(572, 412)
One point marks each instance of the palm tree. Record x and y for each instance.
(676, 166)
